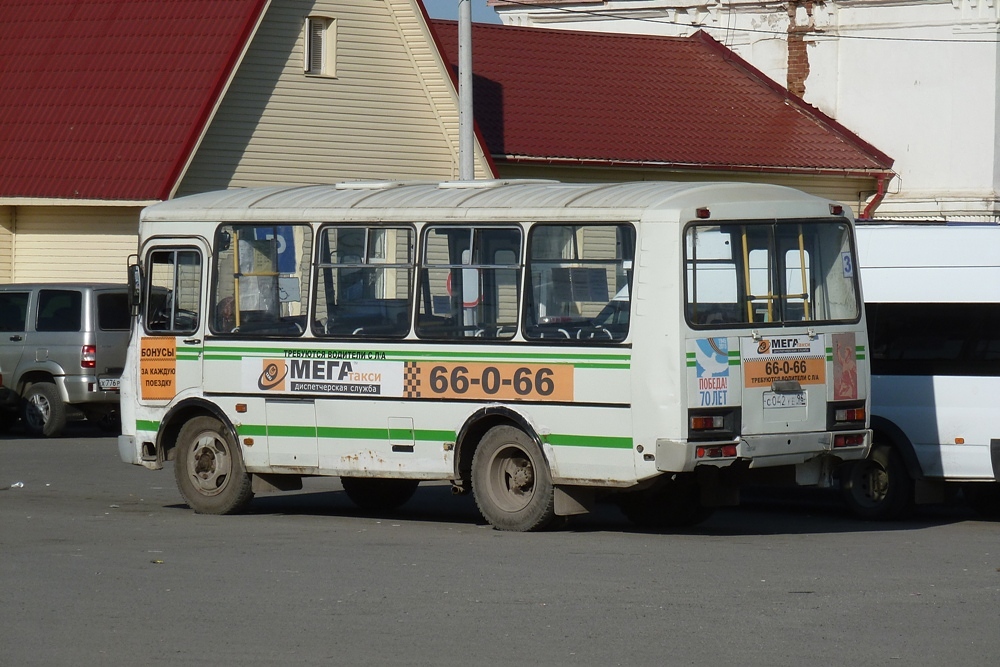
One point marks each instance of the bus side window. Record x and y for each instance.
(469, 283)
(261, 280)
(364, 282)
(578, 282)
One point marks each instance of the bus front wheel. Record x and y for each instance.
(209, 469)
(878, 488)
(511, 481)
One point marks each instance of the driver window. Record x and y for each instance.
(173, 300)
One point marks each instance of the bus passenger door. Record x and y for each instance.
(172, 321)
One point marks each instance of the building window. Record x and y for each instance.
(320, 46)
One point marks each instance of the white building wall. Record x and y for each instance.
(915, 78)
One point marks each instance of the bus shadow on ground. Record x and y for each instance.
(762, 512)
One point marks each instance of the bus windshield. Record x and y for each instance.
(778, 273)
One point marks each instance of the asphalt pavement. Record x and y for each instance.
(101, 563)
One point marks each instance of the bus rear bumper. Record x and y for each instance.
(762, 451)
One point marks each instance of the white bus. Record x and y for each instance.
(544, 345)
(932, 293)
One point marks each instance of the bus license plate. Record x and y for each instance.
(795, 399)
(109, 384)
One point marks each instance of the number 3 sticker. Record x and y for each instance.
(848, 263)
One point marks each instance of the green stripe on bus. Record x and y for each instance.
(383, 434)
(605, 442)
(230, 351)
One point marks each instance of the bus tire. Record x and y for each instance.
(209, 468)
(674, 503)
(984, 497)
(376, 495)
(511, 481)
(878, 488)
(42, 410)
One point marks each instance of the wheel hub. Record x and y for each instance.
(521, 477)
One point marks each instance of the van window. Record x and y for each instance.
(59, 310)
(113, 312)
(13, 308)
(934, 338)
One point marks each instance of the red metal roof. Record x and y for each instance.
(105, 99)
(558, 95)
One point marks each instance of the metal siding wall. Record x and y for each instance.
(74, 244)
(6, 244)
(389, 113)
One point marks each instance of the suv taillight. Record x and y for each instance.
(88, 356)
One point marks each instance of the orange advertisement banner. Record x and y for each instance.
(158, 368)
(762, 372)
(486, 381)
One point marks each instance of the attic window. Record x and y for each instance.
(321, 41)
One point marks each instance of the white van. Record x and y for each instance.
(932, 296)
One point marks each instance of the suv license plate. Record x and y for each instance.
(109, 384)
(795, 399)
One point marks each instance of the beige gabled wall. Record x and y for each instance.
(391, 111)
(74, 243)
(6, 244)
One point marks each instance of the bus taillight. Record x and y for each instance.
(707, 423)
(851, 415)
(713, 424)
(846, 415)
(855, 440)
(725, 451)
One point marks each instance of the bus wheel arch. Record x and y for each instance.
(209, 469)
(473, 431)
(880, 487)
(501, 458)
(178, 415)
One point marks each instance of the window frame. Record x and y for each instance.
(324, 29)
(412, 266)
(597, 335)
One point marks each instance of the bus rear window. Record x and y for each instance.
(781, 273)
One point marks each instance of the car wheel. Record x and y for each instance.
(43, 411)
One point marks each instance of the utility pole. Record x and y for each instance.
(466, 137)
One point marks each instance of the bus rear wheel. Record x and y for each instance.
(209, 469)
(878, 488)
(377, 495)
(511, 481)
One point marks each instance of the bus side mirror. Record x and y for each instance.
(134, 288)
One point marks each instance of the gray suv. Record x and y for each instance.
(62, 349)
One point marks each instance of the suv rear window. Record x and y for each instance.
(113, 312)
(59, 310)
